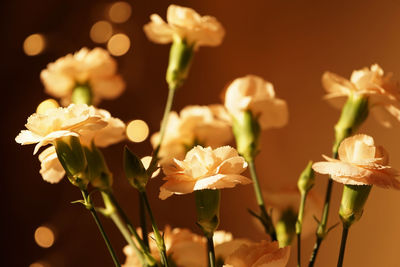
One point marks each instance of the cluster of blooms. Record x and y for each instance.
(194, 150)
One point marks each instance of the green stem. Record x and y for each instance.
(267, 222)
(143, 222)
(158, 237)
(345, 232)
(153, 164)
(299, 226)
(90, 207)
(126, 227)
(211, 252)
(321, 230)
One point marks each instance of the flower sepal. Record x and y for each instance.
(134, 170)
(97, 171)
(352, 205)
(71, 155)
(82, 94)
(180, 59)
(207, 206)
(354, 113)
(247, 132)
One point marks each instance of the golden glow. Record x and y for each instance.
(38, 264)
(146, 162)
(44, 237)
(120, 12)
(46, 105)
(118, 44)
(137, 131)
(34, 44)
(101, 31)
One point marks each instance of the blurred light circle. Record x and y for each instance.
(101, 31)
(44, 237)
(38, 264)
(137, 131)
(46, 105)
(118, 44)
(146, 162)
(34, 44)
(120, 12)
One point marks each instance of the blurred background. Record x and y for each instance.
(289, 43)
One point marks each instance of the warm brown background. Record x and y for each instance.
(290, 43)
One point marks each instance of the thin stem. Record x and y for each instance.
(321, 230)
(143, 222)
(164, 123)
(211, 252)
(126, 227)
(299, 226)
(90, 207)
(159, 239)
(267, 222)
(345, 232)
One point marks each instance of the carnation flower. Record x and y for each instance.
(264, 253)
(94, 68)
(382, 92)
(258, 96)
(360, 162)
(186, 24)
(204, 125)
(85, 122)
(204, 168)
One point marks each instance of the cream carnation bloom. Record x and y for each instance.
(262, 254)
(360, 162)
(86, 122)
(204, 168)
(93, 67)
(289, 197)
(187, 24)
(204, 125)
(381, 90)
(184, 247)
(257, 95)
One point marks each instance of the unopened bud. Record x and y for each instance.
(307, 179)
(97, 171)
(134, 170)
(286, 227)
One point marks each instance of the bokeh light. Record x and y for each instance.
(44, 237)
(120, 12)
(34, 44)
(39, 264)
(46, 105)
(137, 131)
(118, 44)
(101, 31)
(146, 162)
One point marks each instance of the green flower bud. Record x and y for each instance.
(247, 132)
(82, 94)
(72, 157)
(352, 204)
(134, 170)
(286, 227)
(97, 171)
(354, 113)
(207, 206)
(307, 179)
(180, 58)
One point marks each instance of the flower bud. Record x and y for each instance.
(354, 113)
(134, 170)
(207, 205)
(247, 132)
(307, 179)
(352, 204)
(82, 94)
(180, 58)
(97, 171)
(286, 227)
(72, 157)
